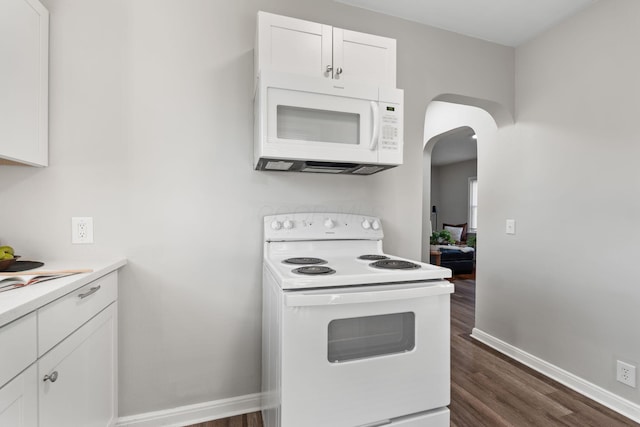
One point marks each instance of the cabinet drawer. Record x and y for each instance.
(63, 316)
(17, 346)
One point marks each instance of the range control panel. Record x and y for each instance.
(321, 226)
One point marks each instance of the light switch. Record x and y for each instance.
(511, 226)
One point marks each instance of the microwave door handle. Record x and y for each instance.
(376, 126)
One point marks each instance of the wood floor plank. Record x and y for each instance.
(586, 412)
(472, 410)
(254, 419)
(238, 421)
(518, 389)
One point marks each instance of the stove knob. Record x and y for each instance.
(366, 224)
(329, 223)
(276, 225)
(287, 224)
(375, 225)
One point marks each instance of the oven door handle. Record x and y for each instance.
(301, 299)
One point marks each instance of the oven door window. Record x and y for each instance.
(371, 336)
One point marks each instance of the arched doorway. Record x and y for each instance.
(446, 115)
(453, 170)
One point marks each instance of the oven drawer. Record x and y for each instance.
(63, 316)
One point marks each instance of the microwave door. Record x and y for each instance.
(316, 126)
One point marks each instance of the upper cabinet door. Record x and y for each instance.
(293, 46)
(364, 58)
(24, 77)
(301, 47)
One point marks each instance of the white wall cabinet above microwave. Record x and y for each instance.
(24, 77)
(301, 47)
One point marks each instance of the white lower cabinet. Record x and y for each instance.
(72, 379)
(19, 400)
(77, 378)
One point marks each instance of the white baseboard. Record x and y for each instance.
(590, 390)
(192, 414)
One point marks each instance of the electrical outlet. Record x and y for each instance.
(82, 230)
(510, 226)
(626, 374)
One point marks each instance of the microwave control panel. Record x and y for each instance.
(390, 126)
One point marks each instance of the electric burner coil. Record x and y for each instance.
(304, 261)
(394, 264)
(314, 270)
(373, 257)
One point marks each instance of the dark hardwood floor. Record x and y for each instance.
(489, 389)
(253, 419)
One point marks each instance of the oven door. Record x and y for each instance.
(364, 355)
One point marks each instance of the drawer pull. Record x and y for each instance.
(53, 377)
(89, 292)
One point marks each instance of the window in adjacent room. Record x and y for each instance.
(473, 204)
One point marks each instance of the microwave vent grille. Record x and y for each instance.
(278, 165)
(367, 170)
(311, 166)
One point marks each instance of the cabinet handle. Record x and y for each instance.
(53, 377)
(89, 292)
(328, 69)
(338, 71)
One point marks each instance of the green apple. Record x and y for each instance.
(7, 249)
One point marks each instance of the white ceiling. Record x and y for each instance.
(455, 147)
(507, 22)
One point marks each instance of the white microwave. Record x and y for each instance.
(304, 124)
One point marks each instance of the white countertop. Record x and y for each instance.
(18, 302)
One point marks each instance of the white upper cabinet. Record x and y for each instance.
(364, 58)
(292, 45)
(24, 77)
(301, 47)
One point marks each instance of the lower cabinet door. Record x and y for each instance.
(19, 400)
(77, 378)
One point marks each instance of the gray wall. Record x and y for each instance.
(151, 134)
(451, 184)
(564, 288)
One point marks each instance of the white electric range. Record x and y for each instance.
(352, 337)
